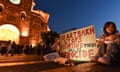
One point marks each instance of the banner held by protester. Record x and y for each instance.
(79, 44)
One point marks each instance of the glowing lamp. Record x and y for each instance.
(24, 32)
(33, 43)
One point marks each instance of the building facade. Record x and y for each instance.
(20, 23)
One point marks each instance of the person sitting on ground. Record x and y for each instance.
(108, 45)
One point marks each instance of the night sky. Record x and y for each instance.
(67, 14)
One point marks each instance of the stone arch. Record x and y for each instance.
(1, 8)
(23, 15)
(9, 32)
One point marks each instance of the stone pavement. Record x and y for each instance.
(20, 59)
(25, 62)
(86, 67)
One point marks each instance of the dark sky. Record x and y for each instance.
(67, 14)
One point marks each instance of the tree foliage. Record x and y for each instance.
(49, 37)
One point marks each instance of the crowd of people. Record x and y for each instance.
(108, 46)
(10, 48)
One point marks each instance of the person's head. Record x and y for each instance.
(109, 28)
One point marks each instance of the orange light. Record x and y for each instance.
(33, 43)
(24, 32)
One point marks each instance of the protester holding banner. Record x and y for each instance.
(56, 46)
(108, 44)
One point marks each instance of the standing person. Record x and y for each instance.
(56, 46)
(108, 45)
(13, 48)
(3, 48)
(39, 47)
(9, 46)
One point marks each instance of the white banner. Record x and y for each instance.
(79, 44)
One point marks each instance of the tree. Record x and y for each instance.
(49, 37)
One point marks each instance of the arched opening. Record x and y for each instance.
(23, 15)
(1, 8)
(9, 32)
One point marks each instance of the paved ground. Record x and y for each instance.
(53, 67)
(19, 60)
(34, 63)
(86, 67)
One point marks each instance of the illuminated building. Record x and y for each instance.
(20, 23)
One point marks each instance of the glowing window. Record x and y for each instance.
(9, 32)
(15, 1)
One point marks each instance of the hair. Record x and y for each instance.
(108, 24)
